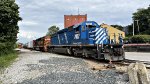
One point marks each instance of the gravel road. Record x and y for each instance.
(33, 67)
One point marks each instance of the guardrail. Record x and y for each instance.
(137, 47)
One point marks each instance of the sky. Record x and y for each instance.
(39, 15)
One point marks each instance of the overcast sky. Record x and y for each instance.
(39, 15)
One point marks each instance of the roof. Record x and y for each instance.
(110, 27)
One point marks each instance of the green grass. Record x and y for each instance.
(7, 59)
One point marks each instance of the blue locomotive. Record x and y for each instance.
(87, 39)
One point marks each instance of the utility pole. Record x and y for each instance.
(78, 11)
(78, 15)
(138, 25)
(133, 27)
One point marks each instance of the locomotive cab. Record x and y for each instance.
(83, 33)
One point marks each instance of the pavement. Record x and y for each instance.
(141, 56)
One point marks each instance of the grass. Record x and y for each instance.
(7, 59)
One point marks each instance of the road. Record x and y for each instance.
(141, 56)
(33, 67)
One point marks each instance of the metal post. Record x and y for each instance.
(138, 25)
(133, 27)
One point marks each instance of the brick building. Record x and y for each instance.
(70, 20)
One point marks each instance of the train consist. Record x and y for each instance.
(86, 39)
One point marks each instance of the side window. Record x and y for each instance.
(77, 30)
(90, 25)
(77, 33)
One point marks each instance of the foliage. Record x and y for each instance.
(52, 30)
(118, 27)
(140, 39)
(6, 59)
(9, 17)
(130, 29)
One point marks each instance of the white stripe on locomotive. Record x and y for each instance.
(101, 37)
(99, 31)
(58, 38)
(103, 40)
(66, 37)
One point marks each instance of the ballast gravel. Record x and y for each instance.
(34, 67)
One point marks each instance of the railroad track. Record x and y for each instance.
(127, 62)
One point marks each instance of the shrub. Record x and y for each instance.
(140, 39)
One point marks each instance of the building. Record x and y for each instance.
(70, 20)
(113, 32)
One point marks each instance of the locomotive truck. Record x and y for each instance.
(87, 39)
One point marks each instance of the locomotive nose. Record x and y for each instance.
(100, 36)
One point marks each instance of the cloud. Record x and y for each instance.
(39, 15)
(29, 35)
(30, 23)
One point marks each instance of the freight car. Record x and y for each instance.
(87, 39)
(41, 43)
(30, 44)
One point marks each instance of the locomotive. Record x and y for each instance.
(87, 39)
(41, 43)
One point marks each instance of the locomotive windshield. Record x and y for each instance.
(90, 25)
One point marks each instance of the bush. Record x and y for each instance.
(6, 48)
(140, 39)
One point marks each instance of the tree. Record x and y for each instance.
(9, 17)
(118, 27)
(52, 30)
(129, 29)
(143, 17)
